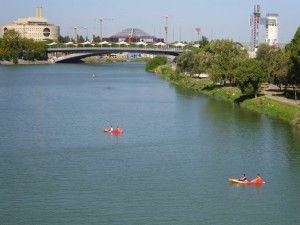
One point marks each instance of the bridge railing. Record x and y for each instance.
(110, 48)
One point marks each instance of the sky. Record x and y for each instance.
(217, 19)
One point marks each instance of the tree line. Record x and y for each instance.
(13, 47)
(228, 63)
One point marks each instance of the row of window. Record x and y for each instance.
(46, 31)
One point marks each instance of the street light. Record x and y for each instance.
(198, 32)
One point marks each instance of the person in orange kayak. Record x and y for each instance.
(257, 179)
(118, 129)
(243, 178)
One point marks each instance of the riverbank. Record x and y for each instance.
(24, 62)
(272, 107)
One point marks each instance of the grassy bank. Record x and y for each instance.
(264, 105)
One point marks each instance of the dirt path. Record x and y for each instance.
(272, 92)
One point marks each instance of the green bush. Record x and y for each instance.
(157, 61)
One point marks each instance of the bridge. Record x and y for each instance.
(75, 54)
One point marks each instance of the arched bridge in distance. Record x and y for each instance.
(75, 54)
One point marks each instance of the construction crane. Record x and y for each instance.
(75, 32)
(101, 25)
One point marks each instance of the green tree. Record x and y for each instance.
(96, 39)
(185, 62)
(28, 46)
(265, 52)
(278, 68)
(202, 62)
(152, 64)
(80, 39)
(11, 42)
(250, 75)
(203, 42)
(225, 58)
(294, 61)
(64, 39)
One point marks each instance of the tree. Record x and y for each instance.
(202, 62)
(250, 75)
(294, 61)
(96, 39)
(265, 52)
(203, 42)
(80, 39)
(64, 39)
(11, 42)
(185, 62)
(278, 68)
(225, 58)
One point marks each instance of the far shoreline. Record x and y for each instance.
(24, 62)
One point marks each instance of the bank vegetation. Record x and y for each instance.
(234, 76)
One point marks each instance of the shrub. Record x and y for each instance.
(152, 64)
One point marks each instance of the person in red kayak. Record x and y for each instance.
(243, 178)
(111, 128)
(257, 179)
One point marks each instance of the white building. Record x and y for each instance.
(36, 27)
(272, 28)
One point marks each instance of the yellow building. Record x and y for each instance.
(36, 27)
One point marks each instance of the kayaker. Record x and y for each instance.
(257, 179)
(243, 178)
(111, 128)
(118, 129)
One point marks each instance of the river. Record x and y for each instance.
(171, 165)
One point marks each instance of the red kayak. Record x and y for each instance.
(117, 132)
(237, 181)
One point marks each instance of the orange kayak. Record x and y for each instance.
(113, 132)
(237, 181)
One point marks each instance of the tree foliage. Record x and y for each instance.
(294, 61)
(225, 58)
(278, 68)
(64, 39)
(185, 62)
(265, 52)
(203, 42)
(155, 62)
(14, 46)
(219, 58)
(250, 75)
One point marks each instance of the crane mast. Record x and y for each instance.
(101, 27)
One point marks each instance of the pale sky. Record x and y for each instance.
(217, 18)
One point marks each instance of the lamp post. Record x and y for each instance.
(198, 32)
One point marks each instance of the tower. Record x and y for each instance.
(254, 23)
(272, 29)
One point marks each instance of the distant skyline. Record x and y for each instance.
(218, 19)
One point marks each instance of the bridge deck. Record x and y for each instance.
(77, 53)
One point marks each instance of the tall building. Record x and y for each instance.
(254, 23)
(36, 27)
(271, 24)
(272, 28)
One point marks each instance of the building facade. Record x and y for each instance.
(36, 27)
(272, 28)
